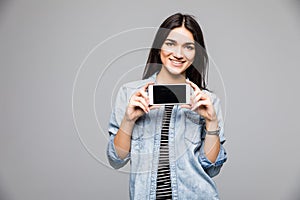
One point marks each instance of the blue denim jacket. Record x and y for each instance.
(191, 171)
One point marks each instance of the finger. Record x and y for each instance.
(153, 107)
(141, 93)
(145, 87)
(202, 95)
(144, 95)
(193, 85)
(140, 105)
(143, 90)
(200, 103)
(197, 92)
(205, 96)
(197, 98)
(196, 106)
(143, 101)
(186, 106)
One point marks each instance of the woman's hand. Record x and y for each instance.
(201, 103)
(138, 104)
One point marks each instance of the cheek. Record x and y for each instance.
(164, 55)
(190, 56)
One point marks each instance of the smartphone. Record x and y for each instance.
(169, 94)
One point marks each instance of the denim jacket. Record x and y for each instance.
(191, 171)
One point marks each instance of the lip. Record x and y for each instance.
(177, 63)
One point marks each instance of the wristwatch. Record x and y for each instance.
(216, 132)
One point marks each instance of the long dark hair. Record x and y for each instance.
(198, 70)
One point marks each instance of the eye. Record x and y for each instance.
(169, 44)
(190, 47)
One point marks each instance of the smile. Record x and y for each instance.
(177, 62)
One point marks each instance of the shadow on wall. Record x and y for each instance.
(3, 3)
(295, 194)
(3, 191)
(297, 5)
(3, 7)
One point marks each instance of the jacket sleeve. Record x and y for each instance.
(113, 127)
(213, 169)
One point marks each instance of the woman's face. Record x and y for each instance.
(178, 51)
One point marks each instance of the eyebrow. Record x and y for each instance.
(187, 43)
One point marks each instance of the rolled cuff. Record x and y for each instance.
(114, 160)
(212, 169)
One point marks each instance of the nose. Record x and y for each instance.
(177, 53)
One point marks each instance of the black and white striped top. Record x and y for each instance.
(163, 186)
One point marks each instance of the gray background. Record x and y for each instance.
(53, 149)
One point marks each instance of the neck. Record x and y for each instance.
(164, 77)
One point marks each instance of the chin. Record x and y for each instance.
(175, 71)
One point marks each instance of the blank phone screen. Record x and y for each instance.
(168, 94)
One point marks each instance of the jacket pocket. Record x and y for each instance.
(141, 134)
(193, 127)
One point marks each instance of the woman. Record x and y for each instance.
(174, 150)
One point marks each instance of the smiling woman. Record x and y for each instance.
(174, 150)
(191, 36)
(177, 52)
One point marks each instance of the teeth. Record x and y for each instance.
(177, 62)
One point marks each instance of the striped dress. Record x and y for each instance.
(163, 185)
